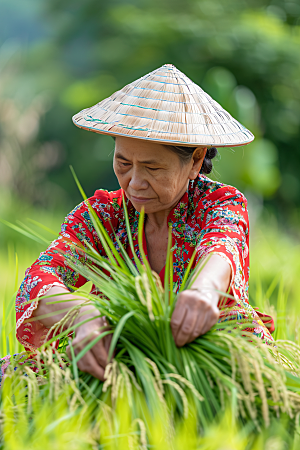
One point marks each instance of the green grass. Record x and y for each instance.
(14, 260)
(274, 277)
(12, 267)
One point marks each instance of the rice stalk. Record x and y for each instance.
(181, 394)
(242, 365)
(225, 368)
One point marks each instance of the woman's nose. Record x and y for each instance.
(137, 180)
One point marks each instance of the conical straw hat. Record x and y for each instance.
(165, 106)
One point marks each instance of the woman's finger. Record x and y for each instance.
(100, 353)
(204, 323)
(107, 342)
(177, 319)
(93, 362)
(98, 349)
(199, 327)
(212, 319)
(187, 327)
(89, 364)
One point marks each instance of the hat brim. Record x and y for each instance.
(159, 140)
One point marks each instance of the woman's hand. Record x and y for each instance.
(194, 314)
(96, 359)
(196, 310)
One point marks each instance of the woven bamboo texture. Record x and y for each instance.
(165, 106)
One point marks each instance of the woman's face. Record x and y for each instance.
(153, 176)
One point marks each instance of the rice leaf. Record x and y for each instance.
(43, 227)
(25, 233)
(118, 331)
(74, 365)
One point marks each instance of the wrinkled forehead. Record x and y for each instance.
(141, 150)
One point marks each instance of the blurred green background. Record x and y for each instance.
(58, 57)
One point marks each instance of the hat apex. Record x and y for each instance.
(165, 106)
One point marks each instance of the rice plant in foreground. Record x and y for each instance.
(50, 411)
(218, 369)
(155, 394)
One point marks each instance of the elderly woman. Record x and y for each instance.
(165, 128)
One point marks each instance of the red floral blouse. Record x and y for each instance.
(210, 216)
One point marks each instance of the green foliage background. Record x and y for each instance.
(58, 57)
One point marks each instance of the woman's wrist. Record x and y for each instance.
(214, 278)
(56, 304)
(209, 292)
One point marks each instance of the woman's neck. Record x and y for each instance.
(157, 221)
(156, 233)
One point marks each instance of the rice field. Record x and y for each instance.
(64, 408)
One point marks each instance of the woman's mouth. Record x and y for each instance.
(139, 199)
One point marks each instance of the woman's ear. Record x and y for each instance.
(198, 158)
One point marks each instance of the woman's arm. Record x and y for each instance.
(95, 360)
(51, 270)
(196, 310)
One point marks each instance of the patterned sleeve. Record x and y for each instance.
(50, 269)
(225, 231)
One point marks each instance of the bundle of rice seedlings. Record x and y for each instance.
(223, 367)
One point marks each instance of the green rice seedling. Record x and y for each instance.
(224, 367)
(159, 388)
(8, 289)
